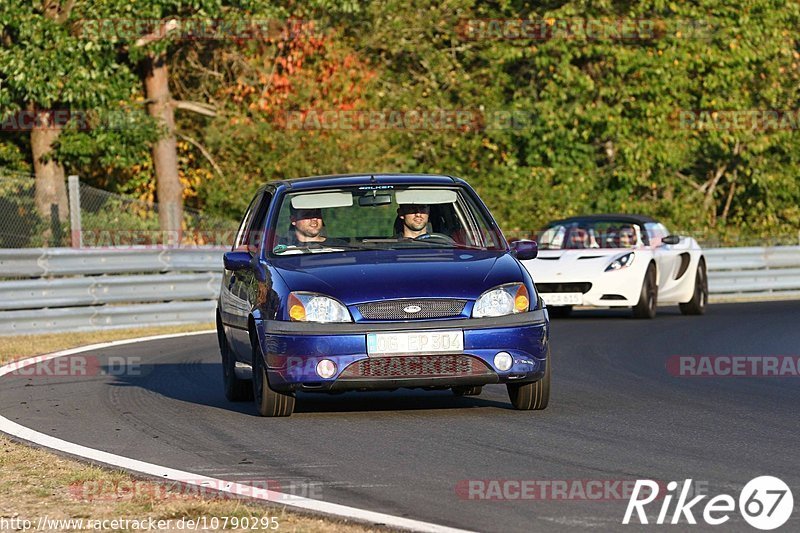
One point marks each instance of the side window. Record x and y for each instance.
(481, 233)
(255, 231)
(553, 238)
(655, 232)
(240, 244)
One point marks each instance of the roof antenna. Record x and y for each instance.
(372, 179)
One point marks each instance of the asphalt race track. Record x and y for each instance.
(615, 414)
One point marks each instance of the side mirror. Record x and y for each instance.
(236, 260)
(671, 239)
(525, 249)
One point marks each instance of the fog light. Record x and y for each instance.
(503, 361)
(326, 368)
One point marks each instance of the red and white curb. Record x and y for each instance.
(189, 478)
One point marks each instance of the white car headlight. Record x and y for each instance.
(312, 307)
(622, 261)
(503, 300)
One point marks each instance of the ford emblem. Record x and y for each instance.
(412, 309)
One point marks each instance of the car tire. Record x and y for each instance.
(474, 390)
(648, 297)
(268, 402)
(532, 396)
(697, 305)
(559, 311)
(236, 390)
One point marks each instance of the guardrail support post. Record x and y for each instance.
(75, 212)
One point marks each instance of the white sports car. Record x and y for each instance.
(618, 261)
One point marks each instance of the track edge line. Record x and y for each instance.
(93, 455)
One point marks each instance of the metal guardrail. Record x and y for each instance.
(753, 273)
(60, 289)
(28, 262)
(95, 290)
(94, 317)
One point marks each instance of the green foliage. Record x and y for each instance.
(605, 133)
(14, 153)
(609, 123)
(116, 138)
(22, 226)
(51, 64)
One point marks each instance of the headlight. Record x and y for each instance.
(312, 307)
(503, 300)
(622, 261)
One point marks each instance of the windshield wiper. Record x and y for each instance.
(440, 244)
(312, 247)
(470, 247)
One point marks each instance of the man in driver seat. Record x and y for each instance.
(414, 219)
(307, 225)
(307, 229)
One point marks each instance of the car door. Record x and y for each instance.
(666, 256)
(235, 308)
(229, 297)
(252, 282)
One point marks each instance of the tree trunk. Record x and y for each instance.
(165, 155)
(50, 196)
(51, 191)
(729, 200)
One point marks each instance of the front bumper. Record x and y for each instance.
(293, 349)
(609, 289)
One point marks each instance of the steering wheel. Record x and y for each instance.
(438, 236)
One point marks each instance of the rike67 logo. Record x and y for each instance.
(765, 503)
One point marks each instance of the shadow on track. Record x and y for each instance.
(621, 314)
(201, 384)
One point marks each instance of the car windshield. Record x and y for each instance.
(380, 217)
(590, 234)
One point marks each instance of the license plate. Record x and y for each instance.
(413, 342)
(562, 298)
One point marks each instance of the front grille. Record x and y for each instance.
(416, 366)
(394, 309)
(563, 287)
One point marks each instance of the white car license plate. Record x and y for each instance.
(414, 342)
(562, 298)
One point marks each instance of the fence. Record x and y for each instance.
(52, 290)
(96, 218)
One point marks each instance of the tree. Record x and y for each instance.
(48, 75)
(604, 121)
(605, 132)
(169, 26)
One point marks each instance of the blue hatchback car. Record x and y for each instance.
(378, 282)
